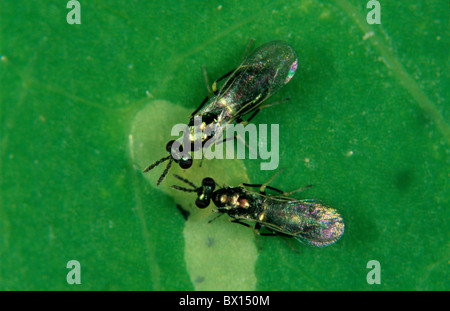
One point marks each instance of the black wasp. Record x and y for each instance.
(308, 221)
(260, 75)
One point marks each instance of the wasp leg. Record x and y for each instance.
(248, 47)
(298, 190)
(211, 142)
(236, 137)
(259, 227)
(253, 229)
(263, 187)
(205, 74)
(225, 139)
(274, 233)
(248, 146)
(275, 189)
(237, 221)
(257, 231)
(275, 103)
(211, 220)
(262, 107)
(214, 90)
(244, 123)
(211, 91)
(260, 185)
(214, 85)
(248, 226)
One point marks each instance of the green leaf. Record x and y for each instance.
(84, 108)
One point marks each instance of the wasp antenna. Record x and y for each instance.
(248, 47)
(263, 186)
(169, 165)
(150, 167)
(298, 190)
(183, 189)
(185, 181)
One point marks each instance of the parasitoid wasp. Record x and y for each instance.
(309, 221)
(243, 90)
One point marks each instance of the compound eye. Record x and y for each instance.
(175, 149)
(169, 146)
(209, 182)
(185, 163)
(202, 203)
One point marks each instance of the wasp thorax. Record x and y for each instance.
(201, 127)
(224, 198)
(197, 133)
(239, 201)
(243, 203)
(220, 198)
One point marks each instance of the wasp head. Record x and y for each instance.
(176, 154)
(204, 192)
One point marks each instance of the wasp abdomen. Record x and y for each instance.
(308, 221)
